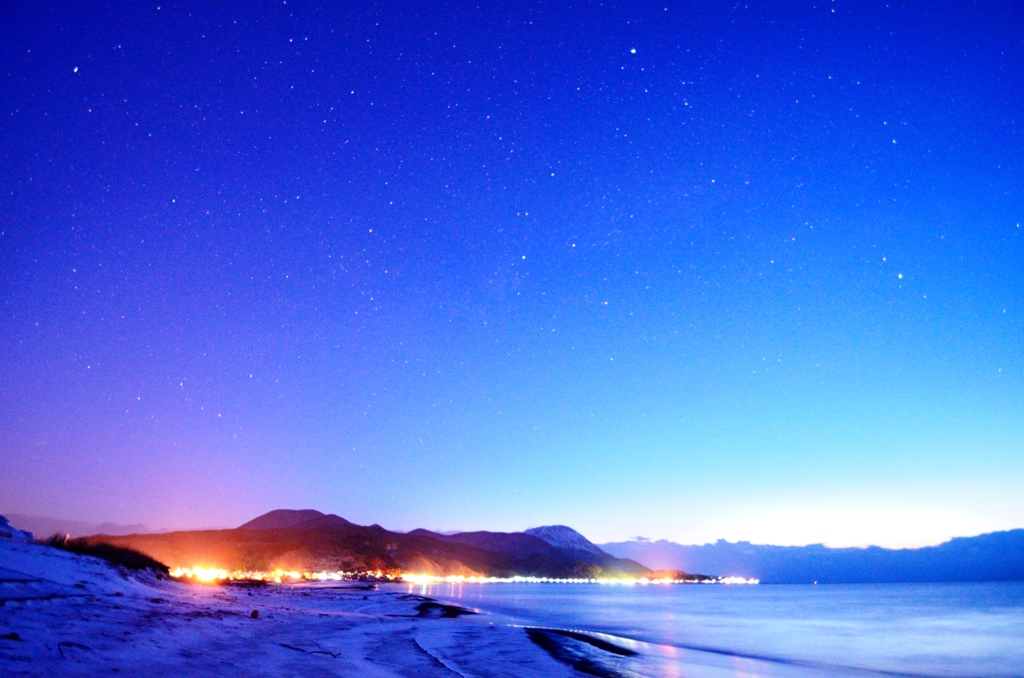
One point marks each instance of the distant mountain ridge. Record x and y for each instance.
(43, 526)
(308, 540)
(996, 556)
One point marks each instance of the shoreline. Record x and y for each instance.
(67, 614)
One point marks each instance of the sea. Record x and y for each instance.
(963, 629)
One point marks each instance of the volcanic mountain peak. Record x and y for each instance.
(292, 519)
(565, 538)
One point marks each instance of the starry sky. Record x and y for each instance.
(683, 270)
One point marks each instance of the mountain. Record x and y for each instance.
(578, 547)
(531, 544)
(286, 518)
(567, 539)
(309, 540)
(997, 556)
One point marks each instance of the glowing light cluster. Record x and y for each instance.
(616, 581)
(204, 574)
(207, 575)
(214, 575)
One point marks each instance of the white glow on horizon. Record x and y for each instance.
(836, 524)
(893, 516)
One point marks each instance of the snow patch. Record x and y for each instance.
(566, 539)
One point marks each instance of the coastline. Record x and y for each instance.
(69, 614)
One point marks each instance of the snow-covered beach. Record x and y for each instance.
(67, 614)
(74, 615)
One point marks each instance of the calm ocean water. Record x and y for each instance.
(920, 629)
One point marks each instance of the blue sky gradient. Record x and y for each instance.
(677, 270)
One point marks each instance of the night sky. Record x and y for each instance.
(677, 270)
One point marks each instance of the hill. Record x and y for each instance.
(997, 556)
(309, 540)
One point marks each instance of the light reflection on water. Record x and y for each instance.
(934, 629)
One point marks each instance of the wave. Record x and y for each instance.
(610, 656)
